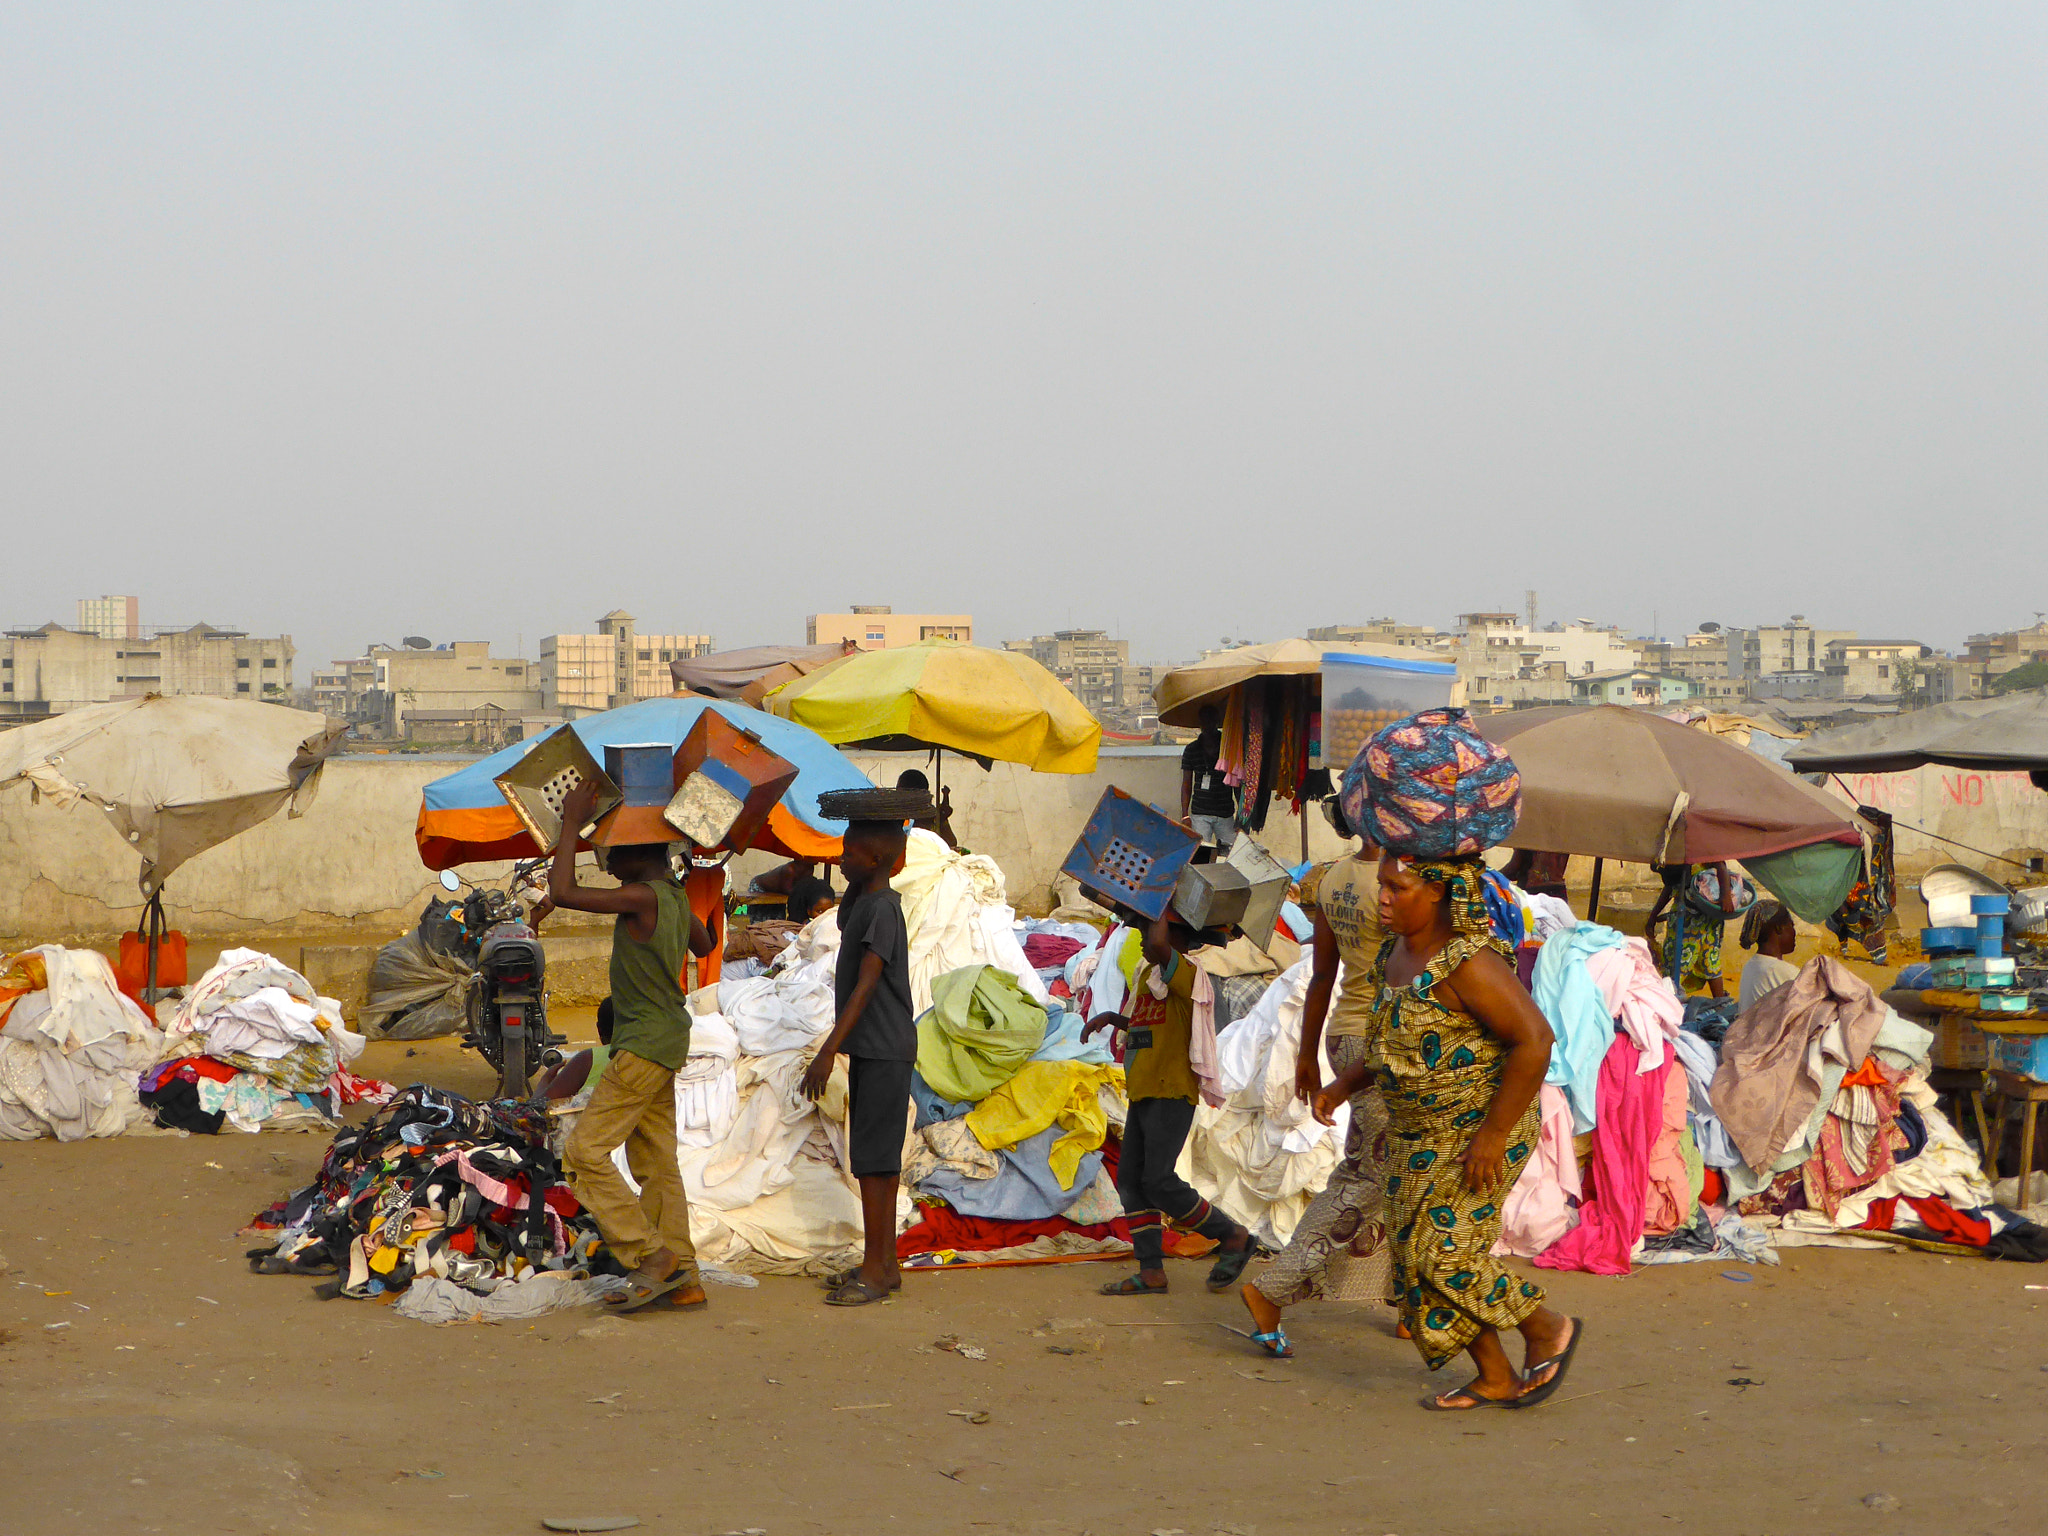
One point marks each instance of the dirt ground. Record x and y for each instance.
(185, 1394)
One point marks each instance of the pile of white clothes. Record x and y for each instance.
(254, 1013)
(70, 1048)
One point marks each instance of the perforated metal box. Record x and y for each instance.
(1130, 854)
(539, 782)
(726, 781)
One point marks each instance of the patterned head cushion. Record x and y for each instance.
(1431, 787)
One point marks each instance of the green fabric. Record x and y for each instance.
(650, 1016)
(1695, 1169)
(1812, 881)
(980, 1029)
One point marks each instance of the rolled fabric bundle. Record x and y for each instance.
(1431, 787)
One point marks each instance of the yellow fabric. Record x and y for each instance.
(1044, 1093)
(995, 704)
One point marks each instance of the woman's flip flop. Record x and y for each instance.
(856, 1293)
(1562, 1360)
(1132, 1285)
(1447, 1402)
(1274, 1343)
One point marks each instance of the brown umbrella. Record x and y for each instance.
(1623, 784)
(750, 675)
(1182, 692)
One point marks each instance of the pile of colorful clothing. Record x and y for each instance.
(71, 1045)
(433, 1186)
(252, 1046)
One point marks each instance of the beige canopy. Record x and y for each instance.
(1182, 692)
(175, 776)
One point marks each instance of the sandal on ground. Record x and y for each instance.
(1274, 1344)
(1231, 1266)
(839, 1277)
(1466, 1398)
(641, 1290)
(1557, 1365)
(1132, 1285)
(856, 1293)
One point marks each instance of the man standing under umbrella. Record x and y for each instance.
(1208, 805)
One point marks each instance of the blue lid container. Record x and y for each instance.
(1990, 906)
(1940, 941)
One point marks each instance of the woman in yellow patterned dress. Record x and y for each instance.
(1460, 1050)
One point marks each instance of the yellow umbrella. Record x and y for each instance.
(994, 705)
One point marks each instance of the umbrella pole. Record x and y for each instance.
(1678, 933)
(1593, 901)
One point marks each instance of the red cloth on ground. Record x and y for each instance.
(941, 1226)
(1046, 950)
(1714, 1188)
(1938, 1216)
(1629, 1110)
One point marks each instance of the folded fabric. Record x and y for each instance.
(1774, 1056)
(1578, 1013)
(1063, 1040)
(1048, 1093)
(1024, 1189)
(980, 1029)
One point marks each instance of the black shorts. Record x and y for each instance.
(877, 1115)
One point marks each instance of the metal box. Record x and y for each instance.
(645, 774)
(1269, 886)
(539, 782)
(725, 783)
(2025, 1054)
(1130, 854)
(1209, 896)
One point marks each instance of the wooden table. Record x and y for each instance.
(2001, 1088)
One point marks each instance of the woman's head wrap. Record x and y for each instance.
(1431, 787)
(1760, 917)
(1464, 882)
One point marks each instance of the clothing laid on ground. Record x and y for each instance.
(1611, 1216)
(1348, 896)
(634, 1103)
(1349, 1215)
(877, 1115)
(980, 1029)
(872, 923)
(1439, 1071)
(1764, 974)
(650, 1016)
(1160, 1069)
(1211, 794)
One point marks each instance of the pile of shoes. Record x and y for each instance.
(434, 1184)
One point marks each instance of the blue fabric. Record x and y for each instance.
(1298, 922)
(1063, 1040)
(930, 1107)
(1577, 1010)
(1025, 1189)
(1503, 908)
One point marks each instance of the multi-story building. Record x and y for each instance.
(1794, 646)
(111, 618)
(341, 689)
(449, 680)
(1378, 632)
(1098, 669)
(50, 670)
(879, 628)
(1864, 668)
(580, 674)
(1495, 650)
(1989, 657)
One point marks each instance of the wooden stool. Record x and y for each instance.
(1955, 1087)
(2007, 1088)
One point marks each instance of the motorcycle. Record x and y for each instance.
(506, 1007)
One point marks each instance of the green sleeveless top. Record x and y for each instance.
(649, 1015)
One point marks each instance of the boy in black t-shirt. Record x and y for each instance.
(878, 1034)
(1208, 806)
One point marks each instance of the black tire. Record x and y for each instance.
(512, 1081)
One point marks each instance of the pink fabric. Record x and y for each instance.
(1669, 1198)
(1640, 998)
(1202, 1054)
(1629, 1105)
(1544, 1204)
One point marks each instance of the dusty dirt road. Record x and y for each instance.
(188, 1395)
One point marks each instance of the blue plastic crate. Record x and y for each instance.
(1130, 853)
(2025, 1054)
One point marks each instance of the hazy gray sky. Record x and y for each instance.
(476, 320)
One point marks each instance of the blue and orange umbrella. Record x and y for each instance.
(464, 818)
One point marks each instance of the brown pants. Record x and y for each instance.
(633, 1105)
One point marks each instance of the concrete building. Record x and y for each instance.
(1794, 646)
(1099, 671)
(50, 670)
(1378, 632)
(111, 618)
(580, 674)
(1495, 650)
(1874, 668)
(1988, 657)
(1636, 686)
(348, 680)
(876, 629)
(454, 680)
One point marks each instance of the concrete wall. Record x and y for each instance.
(350, 866)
